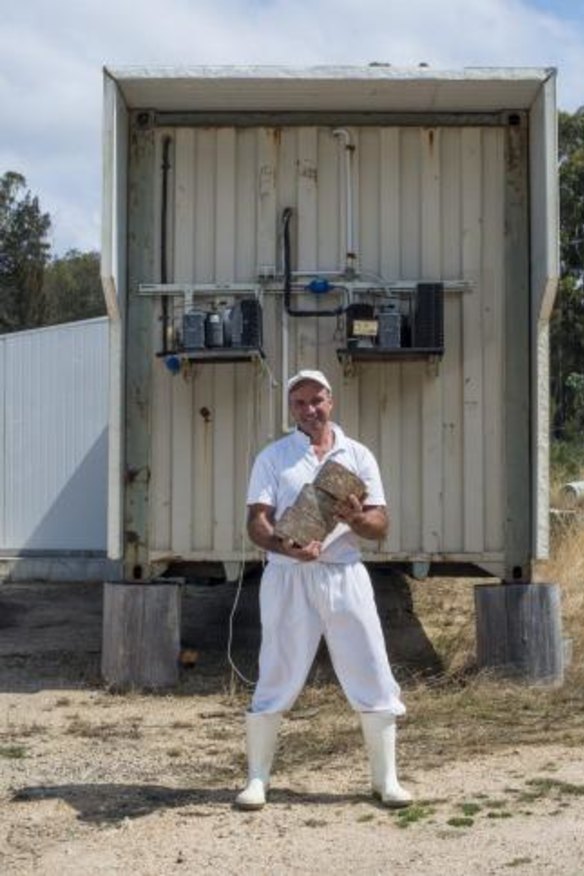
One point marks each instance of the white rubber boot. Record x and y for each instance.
(379, 735)
(262, 733)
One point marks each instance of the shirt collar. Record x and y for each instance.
(302, 439)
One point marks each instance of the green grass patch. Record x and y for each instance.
(469, 808)
(546, 786)
(13, 752)
(412, 814)
(460, 821)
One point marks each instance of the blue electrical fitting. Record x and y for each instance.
(319, 285)
(173, 364)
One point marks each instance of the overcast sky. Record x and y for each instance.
(52, 53)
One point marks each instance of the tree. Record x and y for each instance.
(24, 252)
(72, 287)
(567, 324)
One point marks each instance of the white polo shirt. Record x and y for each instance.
(281, 470)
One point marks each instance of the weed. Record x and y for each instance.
(366, 816)
(315, 822)
(548, 785)
(412, 814)
(518, 862)
(469, 808)
(12, 752)
(499, 814)
(87, 730)
(174, 752)
(460, 821)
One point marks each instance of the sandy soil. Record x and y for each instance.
(92, 782)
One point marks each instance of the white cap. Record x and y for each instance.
(315, 376)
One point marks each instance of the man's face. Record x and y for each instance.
(311, 406)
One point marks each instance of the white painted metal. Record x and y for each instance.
(113, 277)
(544, 279)
(329, 88)
(428, 204)
(428, 424)
(53, 414)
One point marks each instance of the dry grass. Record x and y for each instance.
(462, 713)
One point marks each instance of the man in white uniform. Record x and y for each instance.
(319, 589)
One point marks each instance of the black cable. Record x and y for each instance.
(286, 217)
(163, 235)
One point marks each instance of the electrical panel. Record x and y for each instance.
(395, 324)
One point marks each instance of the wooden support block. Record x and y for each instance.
(141, 634)
(519, 631)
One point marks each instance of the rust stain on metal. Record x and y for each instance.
(276, 135)
(307, 170)
(134, 475)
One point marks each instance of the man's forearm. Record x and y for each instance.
(261, 532)
(371, 523)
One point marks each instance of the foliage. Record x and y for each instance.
(72, 287)
(567, 460)
(567, 324)
(36, 289)
(24, 252)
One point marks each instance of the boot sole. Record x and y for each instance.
(249, 807)
(392, 804)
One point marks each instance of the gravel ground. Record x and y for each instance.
(92, 782)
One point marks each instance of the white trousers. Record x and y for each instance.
(301, 602)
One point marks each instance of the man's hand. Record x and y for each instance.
(349, 510)
(260, 528)
(365, 521)
(310, 551)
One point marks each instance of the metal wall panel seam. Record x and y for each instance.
(432, 416)
(224, 376)
(451, 366)
(181, 389)
(518, 398)
(473, 442)
(494, 331)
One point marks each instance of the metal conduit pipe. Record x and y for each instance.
(349, 146)
(286, 217)
(166, 144)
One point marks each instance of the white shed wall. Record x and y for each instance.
(53, 433)
(429, 205)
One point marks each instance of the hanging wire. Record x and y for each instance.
(252, 437)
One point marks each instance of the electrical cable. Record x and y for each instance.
(251, 434)
(167, 143)
(336, 311)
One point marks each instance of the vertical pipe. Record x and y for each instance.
(349, 146)
(164, 238)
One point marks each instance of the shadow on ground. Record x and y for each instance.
(50, 634)
(111, 803)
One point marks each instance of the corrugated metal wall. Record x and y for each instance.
(53, 433)
(429, 204)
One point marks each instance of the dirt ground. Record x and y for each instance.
(93, 782)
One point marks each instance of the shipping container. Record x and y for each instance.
(395, 228)
(54, 441)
